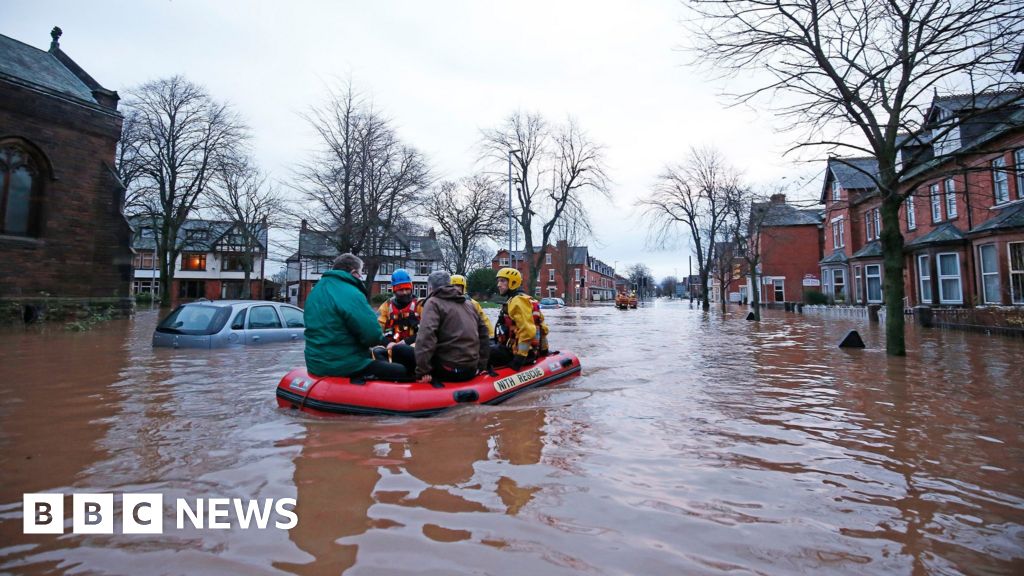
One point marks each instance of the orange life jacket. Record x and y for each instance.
(505, 327)
(402, 322)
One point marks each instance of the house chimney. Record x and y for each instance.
(778, 198)
(55, 35)
(304, 224)
(432, 234)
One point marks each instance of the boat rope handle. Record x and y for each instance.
(308, 392)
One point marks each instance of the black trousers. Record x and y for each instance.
(380, 370)
(450, 373)
(401, 355)
(502, 356)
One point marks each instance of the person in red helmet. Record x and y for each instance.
(399, 319)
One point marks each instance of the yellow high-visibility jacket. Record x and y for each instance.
(483, 316)
(523, 327)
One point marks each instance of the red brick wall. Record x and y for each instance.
(792, 252)
(83, 247)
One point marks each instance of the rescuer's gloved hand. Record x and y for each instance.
(517, 362)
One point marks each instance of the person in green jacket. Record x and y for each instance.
(341, 327)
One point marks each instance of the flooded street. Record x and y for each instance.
(692, 444)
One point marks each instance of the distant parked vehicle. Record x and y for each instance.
(622, 301)
(221, 323)
(552, 303)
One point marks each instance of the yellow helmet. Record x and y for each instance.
(460, 280)
(515, 279)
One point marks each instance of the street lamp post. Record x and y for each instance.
(510, 153)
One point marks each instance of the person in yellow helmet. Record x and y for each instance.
(520, 333)
(459, 281)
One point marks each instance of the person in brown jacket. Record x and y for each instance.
(452, 342)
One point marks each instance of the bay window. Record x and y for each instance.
(1016, 253)
(949, 279)
(989, 266)
(873, 277)
(924, 275)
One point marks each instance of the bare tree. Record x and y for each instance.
(242, 195)
(468, 213)
(668, 286)
(178, 134)
(569, 235)
(129, 161)
(855, 75)
(725, 267)
(746, 216)
(693, 195)
(364, 182)
(566, 156)
(641, 279)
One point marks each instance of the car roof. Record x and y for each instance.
(234, 303)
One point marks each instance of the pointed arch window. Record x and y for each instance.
(20, 191)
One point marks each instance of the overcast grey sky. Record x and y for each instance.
(442, 70)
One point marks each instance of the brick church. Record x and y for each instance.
(63, 233)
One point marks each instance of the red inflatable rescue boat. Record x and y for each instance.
(339, 395)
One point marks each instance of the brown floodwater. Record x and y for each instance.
(692, 444)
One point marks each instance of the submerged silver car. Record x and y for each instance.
(220, 323)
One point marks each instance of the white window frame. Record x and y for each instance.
(503, 262)
(857, 284)
(943, 299)
(1000, 181)
(911, 213)
(842, 275)
(143, 286)
(777, 285)
(924, 278)
(547, 258)
(936, 202)
(838, 234)
(950, 185)
(988, 274)
(836, 190)
(1016, 273)
(551, 274)
(873, 224)
(551, 291)
(1018, 161)
(577, 275)
(868, 276)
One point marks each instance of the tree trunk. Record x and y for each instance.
(246, 289)
(755, 292)
(370, 266)
(705, 302)
(892, 283)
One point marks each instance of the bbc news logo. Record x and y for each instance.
(144, 513)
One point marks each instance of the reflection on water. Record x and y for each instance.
(694, 443)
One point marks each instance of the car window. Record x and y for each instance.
(195, 319)
(261, 317)
(547, 301)
(292, 317)
(239, 322)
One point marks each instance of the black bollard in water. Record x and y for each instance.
(852, 340)
(750, 316)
